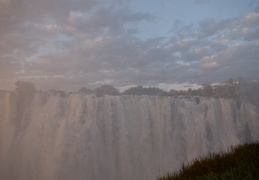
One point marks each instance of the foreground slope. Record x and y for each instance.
(241, 162)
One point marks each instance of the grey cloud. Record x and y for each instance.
(8, 65)
(251, 35)
(24, 40)
(106, 20)
(27, 25)
(9, 71)
(184, 31)
(120, 59)
(245, 34)
(195, 54)
(26, 18)
(95, 47)
(250, 20)
(37, 10)
(228, 48)
(128, 60)
(210, 27)
(233, 62)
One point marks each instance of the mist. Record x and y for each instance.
(124, 89)
(142, 133)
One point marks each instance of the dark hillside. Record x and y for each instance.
(241, 162)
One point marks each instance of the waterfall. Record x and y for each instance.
(84, 137)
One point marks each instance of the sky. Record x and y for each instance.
(68, 44)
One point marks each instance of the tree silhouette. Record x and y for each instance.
(106, 89)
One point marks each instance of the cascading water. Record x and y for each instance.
(84, 137)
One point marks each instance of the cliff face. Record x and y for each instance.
(77, 136)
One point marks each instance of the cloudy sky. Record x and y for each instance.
(68, 44)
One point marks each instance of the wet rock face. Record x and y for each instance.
(80, 136)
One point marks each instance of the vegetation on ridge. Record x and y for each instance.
(241, 162)
(238, 88)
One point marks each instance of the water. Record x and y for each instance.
(83, 137)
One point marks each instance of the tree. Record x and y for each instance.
(207, 90)
(241, 87)
(22, 86)
(25, 93)
(191, 92)
(140, 90)
(106, 89)
(155, 91)
(85, 90)
(173, 92)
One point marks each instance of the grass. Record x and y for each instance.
(241, 162)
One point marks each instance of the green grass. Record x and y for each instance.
(241, 162)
